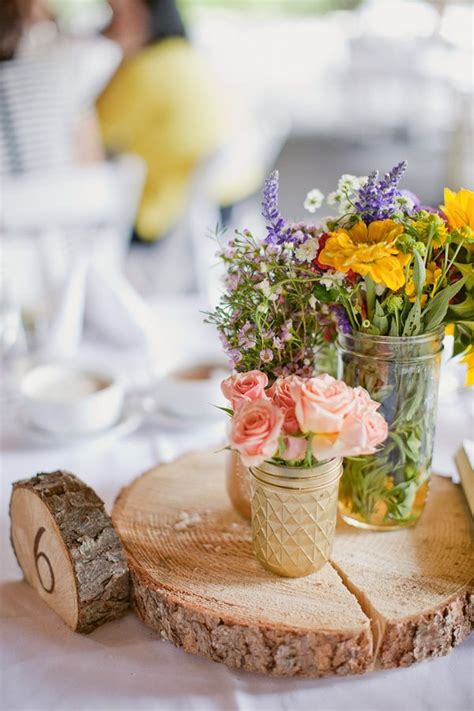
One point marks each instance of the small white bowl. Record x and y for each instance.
(69, 399)
(192, 391)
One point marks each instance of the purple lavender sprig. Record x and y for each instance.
(377, 198)
(277, 229)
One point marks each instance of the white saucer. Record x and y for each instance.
(129, 422)
(161, 417)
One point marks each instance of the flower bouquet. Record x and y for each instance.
(292, 435)
(401, 272)
(389, 276)
(268, 317)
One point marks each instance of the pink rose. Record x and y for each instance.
(295, 449)
(361, 433)
(326, 447)
(280, 393)
(244, 387)
(364, 401)
(322, 403)
(255, 428)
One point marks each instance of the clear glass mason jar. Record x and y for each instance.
(387, 490)
(294, 516)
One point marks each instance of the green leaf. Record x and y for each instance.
(393, 327)
(463, 311)
(380, 320)
(419, 273)
(463, 336)
(325, 295)
(436, 310)
(467, 270)
(413, 323)
(225, 409)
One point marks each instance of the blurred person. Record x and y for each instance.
(47, 117)
(160, 104)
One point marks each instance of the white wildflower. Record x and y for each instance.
(347, 186)
(334, 279)
(265, 288)
(405, 202)
(307, 251)
(351, 182)
(325, 222)
(312, 301)
(314, 200)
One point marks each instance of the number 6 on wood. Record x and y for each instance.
(38, 556)
(68, 550)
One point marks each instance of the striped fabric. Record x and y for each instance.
(38, 114)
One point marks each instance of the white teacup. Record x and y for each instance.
(68, 399)
(192, 391)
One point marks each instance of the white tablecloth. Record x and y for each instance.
(123, 665)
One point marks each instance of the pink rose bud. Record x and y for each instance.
(295, 449)
(280, 393)
(244, 387)
(322, 403)
(255, 428)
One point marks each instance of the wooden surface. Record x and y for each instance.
(68, 550)
(195, 580)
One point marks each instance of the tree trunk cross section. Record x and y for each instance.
(387, 599)
(68, 549)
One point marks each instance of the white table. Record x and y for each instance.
(124, 665)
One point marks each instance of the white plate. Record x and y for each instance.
(129, 422)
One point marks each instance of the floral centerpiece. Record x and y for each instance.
(292, 434)
(268, 317)
(402, 272)
(389, 276)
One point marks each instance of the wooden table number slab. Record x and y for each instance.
(68, 549)
(387, 599)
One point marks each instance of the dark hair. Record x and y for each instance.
(165, 20)
(12, 17)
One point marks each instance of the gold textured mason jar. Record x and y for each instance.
(294, 516)
(388, 489)
(238, 484)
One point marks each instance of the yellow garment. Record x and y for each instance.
(161, 105)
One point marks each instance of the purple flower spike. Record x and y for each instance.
(341, 318)
(277, 230)
(377, 198)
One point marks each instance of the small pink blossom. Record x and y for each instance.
(295, 449)
(266, 355)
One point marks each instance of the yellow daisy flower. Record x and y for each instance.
(427, 220)
(368, 250)
(433, 275)
(468, 359)
(459, 208)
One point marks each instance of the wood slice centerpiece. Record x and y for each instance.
(390, 598)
